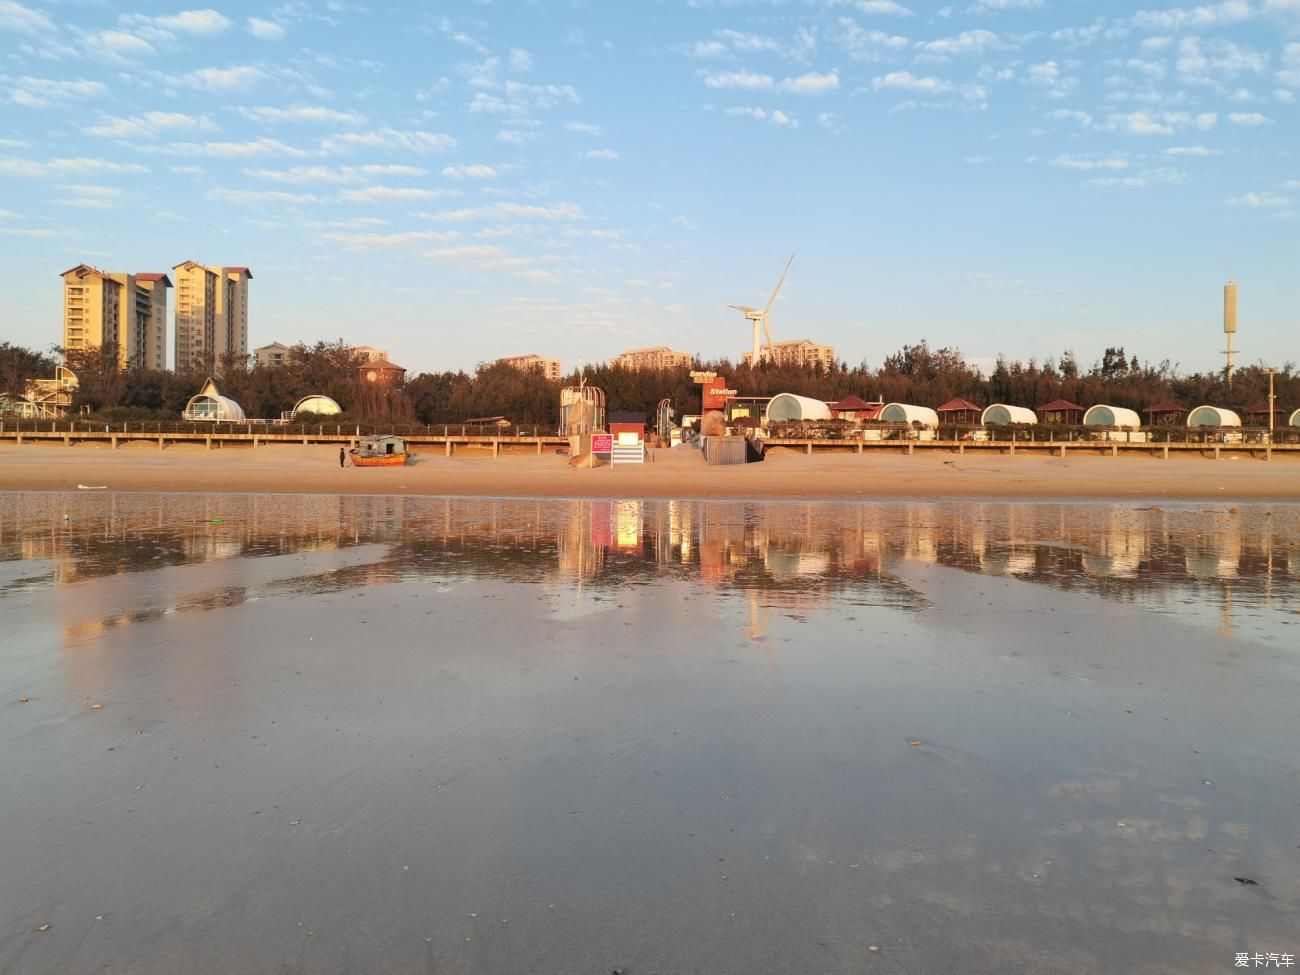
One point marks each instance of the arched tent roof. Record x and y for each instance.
(906, 413)
(1111, 416)
(209, 404)
(1294, 419)
(788, 406)
(317, 404)
(1001, 414)
(1212, 416)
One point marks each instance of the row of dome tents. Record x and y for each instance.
(211, 405)
(786, 407)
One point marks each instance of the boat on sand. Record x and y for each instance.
(380, 451)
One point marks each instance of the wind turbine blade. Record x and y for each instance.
(767, 329)
(745, 308)
(777, 289)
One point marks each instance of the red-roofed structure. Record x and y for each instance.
(854, 408)
(152, 276)
(1256, 414)
(1166, 414)
(958, 410)
(1061, 412)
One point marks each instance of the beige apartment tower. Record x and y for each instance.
(211, 315)
(796, 352)
(550, 368)
(127, 312)
(659, 357)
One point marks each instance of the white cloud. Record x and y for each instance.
(306, 175)
(888, 7)
(117, 44)
(1249, 119)
(516, 137)
(1197, 151)
(513, 211)
(1073, 115)
(230, 150)
(746, 80)
(867, 45)
(988, 6)
(265, 30)
(811, 84)
(239, 77)
(391, 139)
(88, 196)
(1091, 161)
(1206, 15)
(301, 113)
(200, 23)
(520, 60)
(473, 171)
(373, 241)
(906, 81)
(967, 42)
(23, 20)
(1259, 200)
(775, 117)
(582, 128)
(600, 154)
(392, 194)
(260, 198)
(39, 92)
(62, 167)
(149, 125)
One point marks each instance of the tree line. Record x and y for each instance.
(915, 374)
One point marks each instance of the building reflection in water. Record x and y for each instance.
(790, 557)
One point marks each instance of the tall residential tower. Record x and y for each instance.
(211, 315)
(126, 312)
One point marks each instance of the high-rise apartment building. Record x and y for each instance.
(211, 315)
(550, 368)
(92, 305)
(126, 312)
(797, 352)
(659, 357)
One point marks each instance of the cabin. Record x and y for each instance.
(855, 408)
(959, 412)
(1062, 412)
(1256, 415)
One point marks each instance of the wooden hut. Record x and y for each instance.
(1256, 414)
(1061, 412)
(1166, 414)
(855, 408)
(959, 411)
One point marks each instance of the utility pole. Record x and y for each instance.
(1270, 373)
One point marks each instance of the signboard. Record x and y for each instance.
(700, 376)
(602, 443)
(716, 394)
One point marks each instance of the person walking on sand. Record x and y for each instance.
(342, 456)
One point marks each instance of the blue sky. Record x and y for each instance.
(491, 178)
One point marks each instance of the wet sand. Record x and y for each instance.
(673, 474)
(447, 739)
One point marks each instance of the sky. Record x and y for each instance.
(456, 182)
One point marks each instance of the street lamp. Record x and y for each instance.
(1270, 373)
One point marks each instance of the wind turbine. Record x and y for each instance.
(760, 317)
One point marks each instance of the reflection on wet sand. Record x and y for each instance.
(412, 734)
(1225, 565)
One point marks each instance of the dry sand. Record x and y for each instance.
(677, 473)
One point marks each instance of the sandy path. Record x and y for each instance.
(673, 474)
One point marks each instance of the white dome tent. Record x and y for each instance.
(787, 406)
(317, 404)
(209, 404)
(909, 414)
(1111, 416)
(1212, 416)
(1000, 414)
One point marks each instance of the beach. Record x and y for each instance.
(679, 473)
(300, 734)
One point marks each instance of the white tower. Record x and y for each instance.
(1229, 325)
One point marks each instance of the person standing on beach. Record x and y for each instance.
(342, 455)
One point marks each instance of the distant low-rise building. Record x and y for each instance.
(797, 352)
(550, 368)
(370, 352)
(275, 354)
(659, 357)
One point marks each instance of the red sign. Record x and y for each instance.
(716, 394)
(602, 443)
